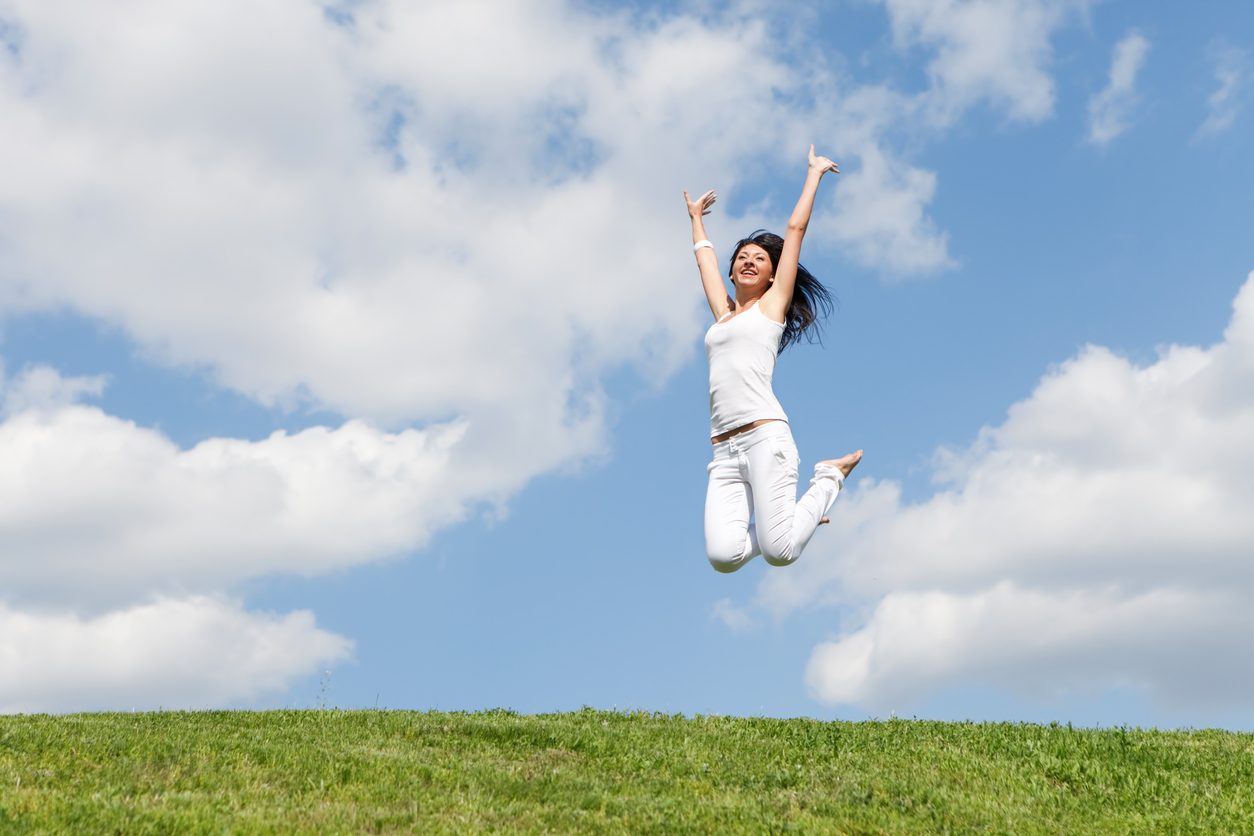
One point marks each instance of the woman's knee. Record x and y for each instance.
(728, 546)
(725, 557)
(778, 554)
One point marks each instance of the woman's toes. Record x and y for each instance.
(846, 463)
(849, 462)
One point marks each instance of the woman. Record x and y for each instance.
(754, 471)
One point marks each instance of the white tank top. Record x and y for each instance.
(742, 354)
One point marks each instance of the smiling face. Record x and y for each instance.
(752, 269)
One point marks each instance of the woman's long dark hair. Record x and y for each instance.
(811, 301)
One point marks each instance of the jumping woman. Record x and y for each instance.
(754, 472)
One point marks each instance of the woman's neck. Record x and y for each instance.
(745, 301)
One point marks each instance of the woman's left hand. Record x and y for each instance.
(821, 165)
(700, 206)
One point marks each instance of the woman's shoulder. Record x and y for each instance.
(765, 315)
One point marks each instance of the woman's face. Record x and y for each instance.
(752, 269)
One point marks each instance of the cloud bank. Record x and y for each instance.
(97, 512)
(1100, 537)
(197, 652)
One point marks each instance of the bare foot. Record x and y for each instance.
(845, 464)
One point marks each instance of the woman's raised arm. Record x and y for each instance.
(776, 301)
(707, 261)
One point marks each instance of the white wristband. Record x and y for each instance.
(701, 244)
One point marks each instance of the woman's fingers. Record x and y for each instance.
(822, 163)
(701, 204)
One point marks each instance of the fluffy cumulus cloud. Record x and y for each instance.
(880, 217)
(1100, 537)
(995, 51)
(195, 652)
(443, 221)
(98, 512)
(1111, 109)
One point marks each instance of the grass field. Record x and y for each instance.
(606, 772)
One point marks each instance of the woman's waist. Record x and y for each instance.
(727, 417)
(745, 428)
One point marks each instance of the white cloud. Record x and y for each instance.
(1110, 111)
(1100, 536)
(1232, 72)
(42, 388)
(1187, 647)
(880, 217)
(986, 50)
(192, 653)
(96, 512)
(736, 619)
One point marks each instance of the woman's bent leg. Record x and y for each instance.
(729, 538)
(785, 524)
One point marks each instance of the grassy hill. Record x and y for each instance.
(605, 772)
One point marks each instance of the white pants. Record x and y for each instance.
(756, 473)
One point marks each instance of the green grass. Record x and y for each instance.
(605, 772)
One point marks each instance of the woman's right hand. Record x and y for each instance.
(821, 165)
(700, 206)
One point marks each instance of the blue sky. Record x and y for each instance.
(455, 274)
